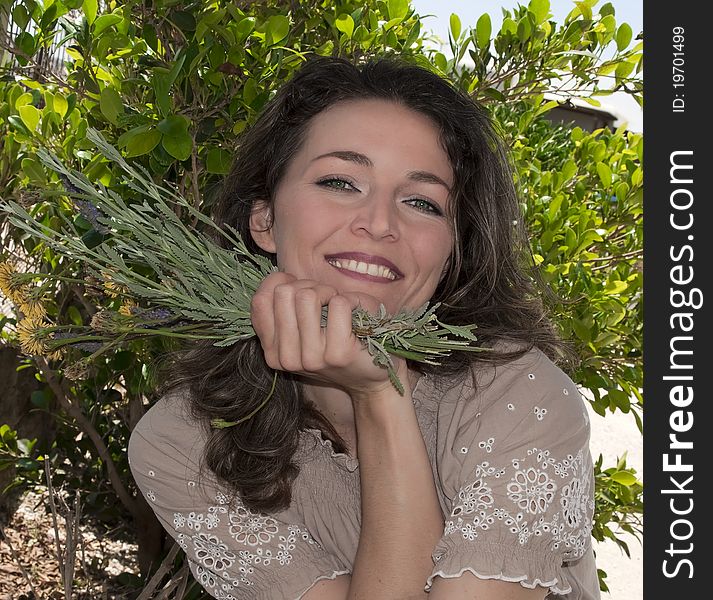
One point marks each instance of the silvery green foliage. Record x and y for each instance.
(206, 288)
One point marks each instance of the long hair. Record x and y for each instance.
(489, 279)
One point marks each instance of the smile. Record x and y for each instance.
(363, 268)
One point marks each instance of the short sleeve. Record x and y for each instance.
(233, 552)
(518, 461)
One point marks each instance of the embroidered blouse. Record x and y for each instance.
(510, 461)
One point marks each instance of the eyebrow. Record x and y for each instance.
(364, 161)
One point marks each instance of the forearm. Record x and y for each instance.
(401, 517)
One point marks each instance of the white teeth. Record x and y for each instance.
(362, 267)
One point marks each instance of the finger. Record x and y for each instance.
(262, 313)
(293, 338)
(308, 309)
(262, 316)
(287, 333)
(340, 339)
(271, 281)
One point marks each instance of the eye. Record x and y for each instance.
(425, 206)
(337, 183)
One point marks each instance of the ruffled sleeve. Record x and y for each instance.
(233, 552)
(518, 476)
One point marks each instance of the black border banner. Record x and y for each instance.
(676, 271)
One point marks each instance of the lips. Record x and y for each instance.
(380, 262)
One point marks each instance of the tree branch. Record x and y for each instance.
(63, 397)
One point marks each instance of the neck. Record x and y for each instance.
(333, 402)
(336, 404)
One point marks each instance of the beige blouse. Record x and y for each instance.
(511, 465)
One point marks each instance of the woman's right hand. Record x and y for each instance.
(286, 313)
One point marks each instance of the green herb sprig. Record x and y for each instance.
(190, 286)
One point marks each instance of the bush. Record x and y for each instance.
(172, 85)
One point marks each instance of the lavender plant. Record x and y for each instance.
(197, 289)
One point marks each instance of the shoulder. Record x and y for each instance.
(167, 434)
(528, 387)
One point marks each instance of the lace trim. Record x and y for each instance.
(332, 576)
(521, 579)
(350, 462)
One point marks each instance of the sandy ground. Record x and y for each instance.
(612, 436)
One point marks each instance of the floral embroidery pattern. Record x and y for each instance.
(250, 528)
(532, 490)
(215, 566)
(542, 504)
(474, 496)
(210, 551)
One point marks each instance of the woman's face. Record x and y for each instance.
(363, 204)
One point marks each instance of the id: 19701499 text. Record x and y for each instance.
(678, 61)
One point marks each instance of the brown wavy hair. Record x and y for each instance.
(490, 280)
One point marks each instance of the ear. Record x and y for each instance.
(261, 226)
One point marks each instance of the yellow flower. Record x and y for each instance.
(32, 308)
(126, 308)
(10, 284)
(111, 288)
(33, 335)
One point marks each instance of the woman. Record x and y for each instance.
(366, 185)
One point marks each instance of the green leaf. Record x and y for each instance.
(524, 29)
(111, 105)
(604, 173)
(127, 135)
(173, 125)
(250, 91)
(245, 27)
(581, 330)
(20, 16)
(184, 20)
(24, 99)
(27, 44)
(483, 29)
(345, 24)
(620, 399)
(455, 26)
(179, 146)
(40, 399)
(30, 116)
(569, 169)
(138, 145)
(278, 26)
(92, 238)
(546, 107)
(74, 315)
(624, 477)
(541, 10)
(17, 124)
(623, 36)
(398, 9)
(623, 70)
(105, 21)
(89, 8)
(60, 105)
(218, 161)
(32, 167)
(615, 287)
(441, 61)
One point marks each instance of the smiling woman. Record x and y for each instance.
(367, 185)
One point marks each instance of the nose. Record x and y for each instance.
(377, 217)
